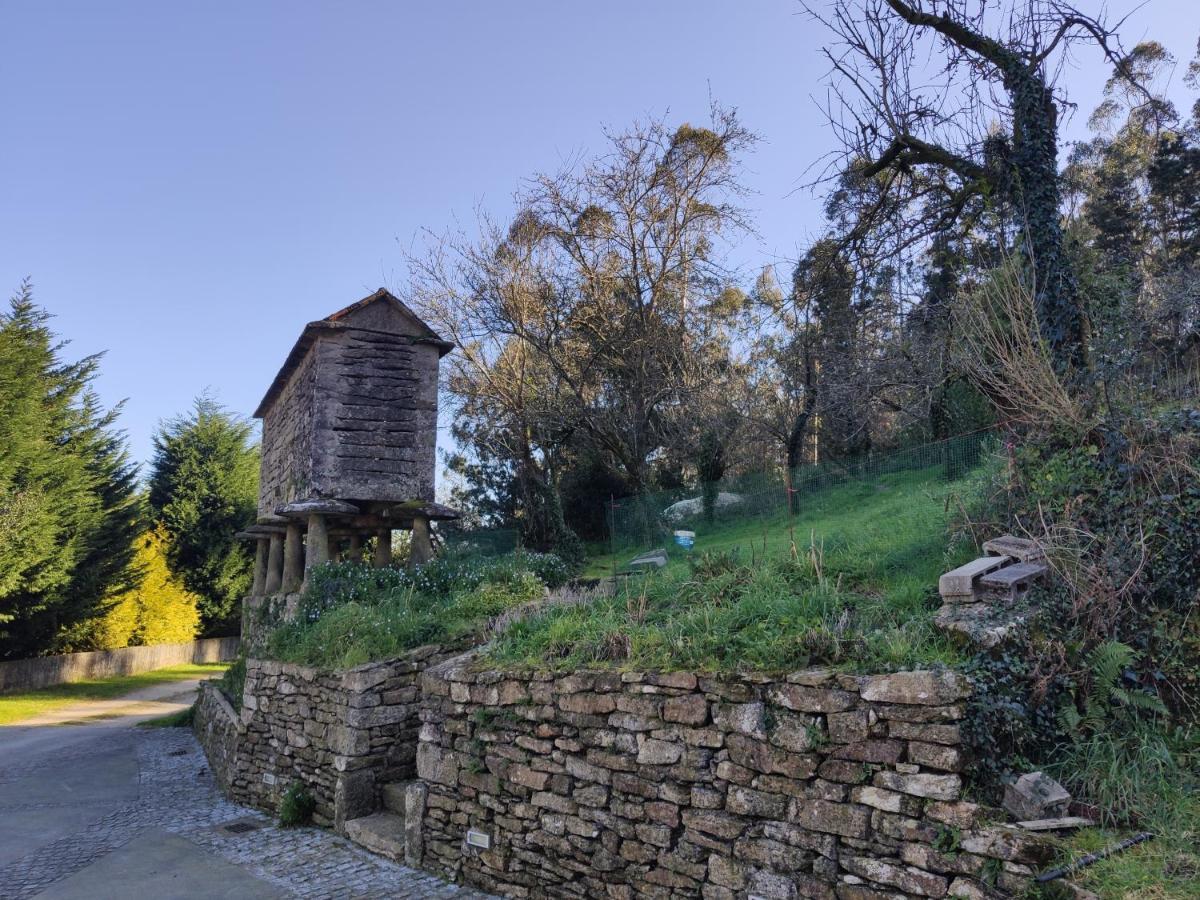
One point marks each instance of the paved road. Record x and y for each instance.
(99, 808)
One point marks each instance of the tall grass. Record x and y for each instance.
(730, 614)
(1143, 778)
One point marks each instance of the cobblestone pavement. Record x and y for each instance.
(175, 795)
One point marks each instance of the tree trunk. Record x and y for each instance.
(1036, 195)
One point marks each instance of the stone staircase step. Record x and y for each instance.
(392, 796)
(1022, 549)
(381, 832)
(1018, 576)
(960, 582)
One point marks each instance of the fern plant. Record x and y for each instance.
(1106, 698)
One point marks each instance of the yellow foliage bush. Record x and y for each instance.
(160, 610)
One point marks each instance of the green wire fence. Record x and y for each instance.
(769, 503)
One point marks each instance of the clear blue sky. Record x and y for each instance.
(189, 183)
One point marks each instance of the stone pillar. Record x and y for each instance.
(293, 559)
(274, 565)
(316, 547)
(383, 548)
(260, 566)
(420, 547)
(354, 553)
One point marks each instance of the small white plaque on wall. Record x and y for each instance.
(268, 777)
(480, 839)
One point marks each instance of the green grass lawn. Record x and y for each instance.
(851, 580)
(25, 705)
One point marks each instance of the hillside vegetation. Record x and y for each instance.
(850, 580)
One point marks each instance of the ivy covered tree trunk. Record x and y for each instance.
(1034, 192)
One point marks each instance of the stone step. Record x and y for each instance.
(1014, 578)
(381, 832)
(392, 796)
(1022, 549)
(960, 582)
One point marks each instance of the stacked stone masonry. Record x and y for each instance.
(217, 728)
(623, 785)
(343, 735)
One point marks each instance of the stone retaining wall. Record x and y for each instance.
(622, 785)
(341, 734)
(217, 727)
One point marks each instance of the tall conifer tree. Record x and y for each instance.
(68, 507)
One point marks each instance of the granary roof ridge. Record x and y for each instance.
(334, 321)
(383, 294)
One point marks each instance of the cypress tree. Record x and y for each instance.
(203, 489)
(68, 506)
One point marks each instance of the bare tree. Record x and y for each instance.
(979, 130)
(609, 280)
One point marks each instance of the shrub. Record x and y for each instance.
(296, 806)
(495, 596)
(352, 614)
(552, 569)
(157, 610)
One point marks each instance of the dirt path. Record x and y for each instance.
(139, 705)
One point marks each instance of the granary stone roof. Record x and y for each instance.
(337, 321)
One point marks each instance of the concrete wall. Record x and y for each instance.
(45, 671)
(627, 784)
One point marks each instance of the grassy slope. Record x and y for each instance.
(868, 554)
(894, 523)
(18, 706)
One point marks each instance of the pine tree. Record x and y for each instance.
(68, 508)
(203, 489)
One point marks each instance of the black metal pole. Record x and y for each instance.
(1084, 861)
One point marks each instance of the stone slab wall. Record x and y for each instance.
(623, 785)
(376, 418)
(286, 468)
(217, 727)
(45, 671)
(342, 734)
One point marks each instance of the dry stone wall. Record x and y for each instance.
(341, 734)
(623, 785)
(216, 724)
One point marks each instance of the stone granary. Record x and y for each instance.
(349, 427)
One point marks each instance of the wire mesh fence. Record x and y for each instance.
(908, 487)
(479, 541)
